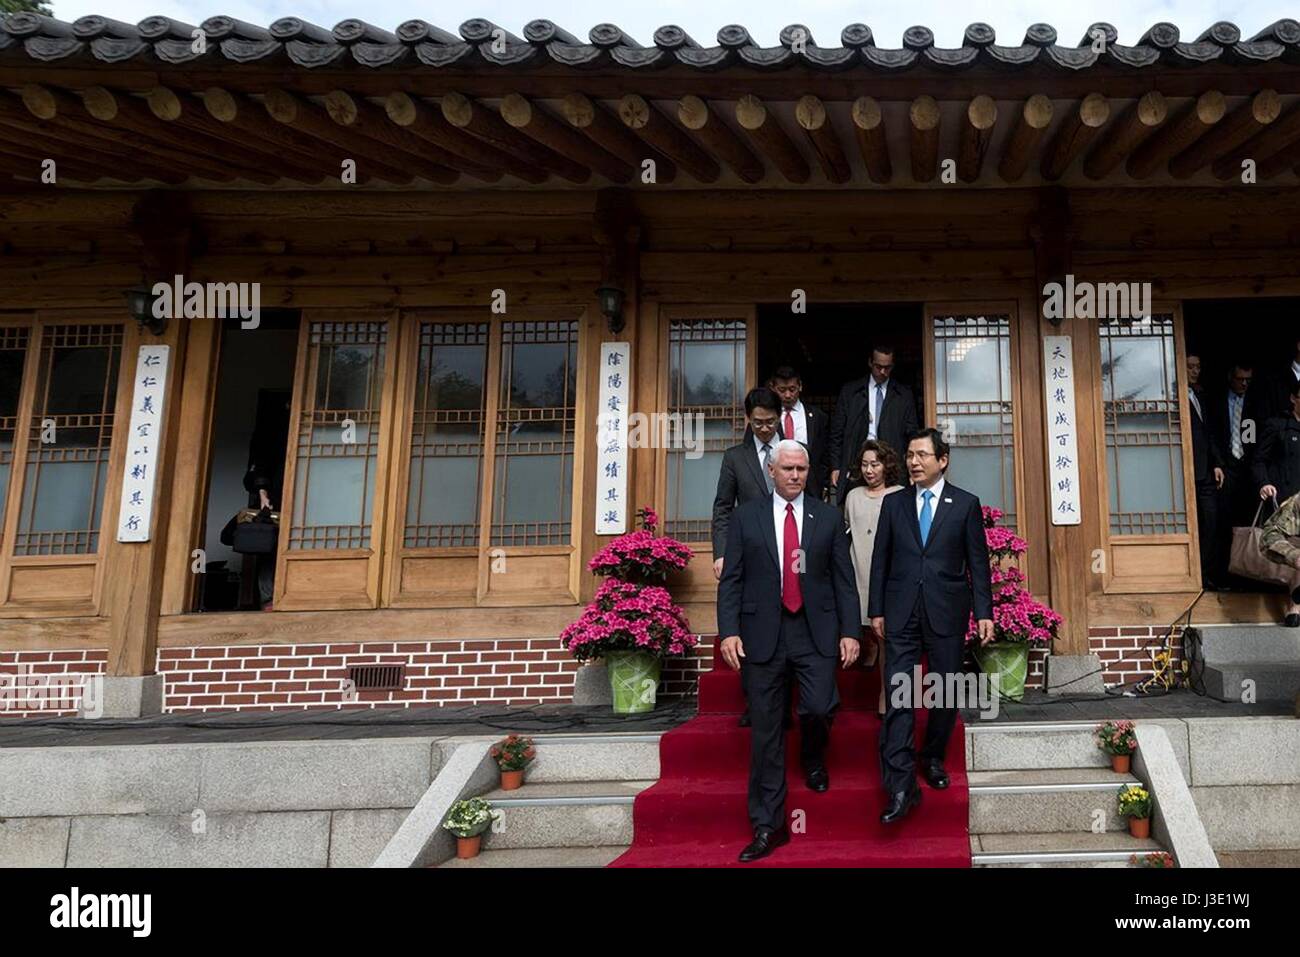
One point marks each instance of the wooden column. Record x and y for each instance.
(1069, 561)
(134, 583)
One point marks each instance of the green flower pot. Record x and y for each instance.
(1007, 663)
(634, 680)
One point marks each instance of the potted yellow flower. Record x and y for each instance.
(1135, 804)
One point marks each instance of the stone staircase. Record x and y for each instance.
(576, 808)
(1268, 655)
(1042, 795)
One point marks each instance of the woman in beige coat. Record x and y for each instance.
(878, 474)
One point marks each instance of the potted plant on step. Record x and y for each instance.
(513, 753)
(1119, 740)
(632, 621)
(1135, 804)
(1154, 859)
(468, 819)
(1020, 621)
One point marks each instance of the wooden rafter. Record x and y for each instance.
(526, 116)
(811, 115)
(1076, 131)
(1130, 129)
(869, 131)
(1034, 119)
(711, 130)
(657, 130)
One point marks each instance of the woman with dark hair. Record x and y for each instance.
(876, 474)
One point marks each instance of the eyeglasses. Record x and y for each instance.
(919, 456)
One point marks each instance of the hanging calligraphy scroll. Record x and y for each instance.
(1062, 431)
(139, 478)
(611, 438)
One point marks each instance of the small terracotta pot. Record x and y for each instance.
(467, 847)
(1139, 827)
(512, 780)
(1119, 763)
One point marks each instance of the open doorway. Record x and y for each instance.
(1244, 346)
(831, 345)
(250, 438)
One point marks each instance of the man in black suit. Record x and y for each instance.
(744, 473)
(787, 600)
(1236, 417)
(929, 565)
(1207, 470)
(1277, 460)
(873, 407)
(802, 423)
(1278, 386)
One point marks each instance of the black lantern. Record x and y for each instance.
(139, 300)
(611, 306)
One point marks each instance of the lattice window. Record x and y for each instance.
(1144, 455)
(13, 353)
(448, 428)
(706, 410)
(69, 438)
(534, 434)
(338, 436)
(973, 405)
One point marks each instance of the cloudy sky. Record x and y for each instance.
(763, 18)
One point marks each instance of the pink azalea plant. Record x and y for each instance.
(1116, 737)
(627, 614)
(641, 554)
(1017, 615)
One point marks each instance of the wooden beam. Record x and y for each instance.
(1246, 121)
(1176, 135)
(1267, 143)
(428, 124)
(531, 119)
(869, 131)
(607, 131)
(924, 119)
(1034, 119)
(811, 115)
(166, 106)
(65, 112)
(247, 117)
(1076, 131)
(27, 163)
(976, 133)
(763, 128)
(463, 113)
(1119, 140)
(657, 130)
(710, 129)
(364, 119)
(293, 111)
(18, 120)
(1279, 162)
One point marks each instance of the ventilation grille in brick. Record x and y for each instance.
(377, 677)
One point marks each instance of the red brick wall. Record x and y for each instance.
(1127, 653)
(26, 665)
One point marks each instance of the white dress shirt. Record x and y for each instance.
(937, 489)
(800, 416)
(1295, 369)
(875, 394)
(778, 520)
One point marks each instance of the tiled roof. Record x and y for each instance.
(479, 44)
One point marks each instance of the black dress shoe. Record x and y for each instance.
(901, 804)
(935, 775)
(764, 843)
(1295, 596)
(1291, 621)
(817, 780)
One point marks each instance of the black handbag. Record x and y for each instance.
(256, 537)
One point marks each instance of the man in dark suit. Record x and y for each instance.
(873, 407)
(787, 601)
(929, 565)
(1278, 386)
(1277, 460)
(744, 473)
(804, 424)
(1236, 417)
(1207, 470)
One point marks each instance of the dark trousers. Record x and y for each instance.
(766, 685)
(1207, 523)
(903, 647)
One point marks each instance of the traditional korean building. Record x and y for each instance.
(447, 233)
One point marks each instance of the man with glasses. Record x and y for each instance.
(929, 569)
(873, 407)
(1236, 416)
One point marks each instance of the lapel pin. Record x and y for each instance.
(947, 501)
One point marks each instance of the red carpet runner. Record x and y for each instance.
(695, 816)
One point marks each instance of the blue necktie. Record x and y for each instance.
(927, 515)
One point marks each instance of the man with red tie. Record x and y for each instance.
(787, 602)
